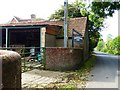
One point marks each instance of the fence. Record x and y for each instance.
(31, 57)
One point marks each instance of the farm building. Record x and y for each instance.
(41, 33)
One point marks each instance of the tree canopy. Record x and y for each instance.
(111, 46)
(96, 13)
(100, 45)
(115, 46)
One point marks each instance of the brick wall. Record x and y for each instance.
(63, 58)
(13, 20)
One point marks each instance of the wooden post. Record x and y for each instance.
(0, 59)
(6, 38)
(72, 38)
(40, 41)
(42, 36)
(0, 37)
(1, 73)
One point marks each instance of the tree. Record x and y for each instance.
(107, 47)
(112, 46)
(96, 12)
(115, 45)
(100, 44)
(104, 9)
(72, 12)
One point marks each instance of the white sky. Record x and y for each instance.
(24, 8)
(111, 26)
(43, 9)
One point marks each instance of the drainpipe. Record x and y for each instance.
(65, 23)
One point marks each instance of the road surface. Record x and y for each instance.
(105, 72)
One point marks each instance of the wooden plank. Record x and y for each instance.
(0, 37)
(51, 30)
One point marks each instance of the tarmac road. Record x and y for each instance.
(105, 72)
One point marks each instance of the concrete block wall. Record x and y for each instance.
(50, 40)
(60, 43)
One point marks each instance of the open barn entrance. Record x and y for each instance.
(22, 37)
(30, 42)
(27, 42)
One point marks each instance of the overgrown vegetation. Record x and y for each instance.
(75, 78)
(111, 46)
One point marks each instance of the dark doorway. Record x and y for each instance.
(26, 37)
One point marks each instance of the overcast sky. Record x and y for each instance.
(111, 26)
(24, 8)
(43, 9)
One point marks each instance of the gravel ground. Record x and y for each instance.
(40, 78)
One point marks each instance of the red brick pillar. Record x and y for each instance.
(11, 69)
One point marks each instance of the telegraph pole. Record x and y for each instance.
(65, 23)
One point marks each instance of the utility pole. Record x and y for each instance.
(65, 23)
